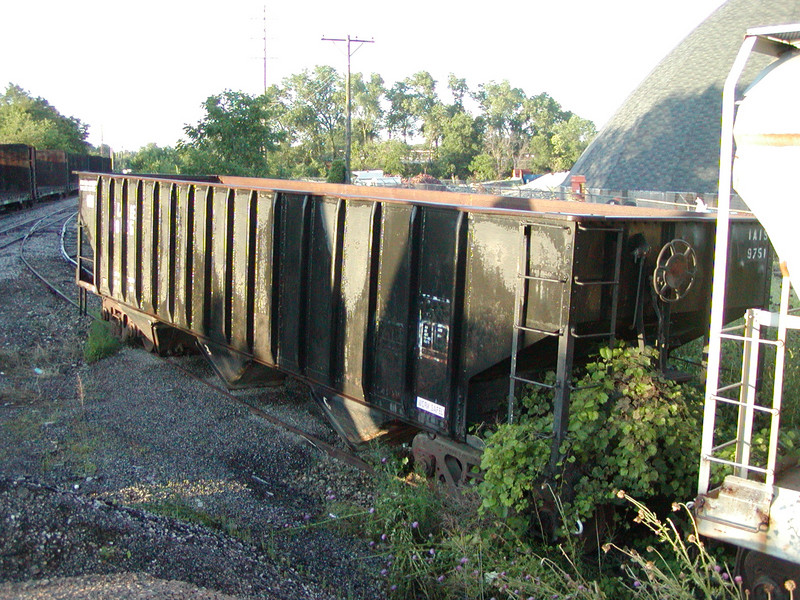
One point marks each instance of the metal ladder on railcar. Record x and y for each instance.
(565, 333)
(753, 501)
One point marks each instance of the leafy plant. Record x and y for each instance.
(337, 173)
(629, 428)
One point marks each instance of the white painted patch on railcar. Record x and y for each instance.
(430, 407)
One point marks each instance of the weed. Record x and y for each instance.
(110, 553)
(679, 567)
(100, 343)
(438, 548)
(629, 427)
(181, 510)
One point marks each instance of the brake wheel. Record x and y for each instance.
(675, 270)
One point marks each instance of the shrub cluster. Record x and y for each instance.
(629, 428)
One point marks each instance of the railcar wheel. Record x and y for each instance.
(427, 463)
(766, 577)
(676, 268)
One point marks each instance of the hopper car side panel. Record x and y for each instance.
(403, 305)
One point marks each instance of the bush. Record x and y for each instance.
(629, 428)
(337, 173)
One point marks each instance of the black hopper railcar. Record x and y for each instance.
(28, 174)
(421, 307)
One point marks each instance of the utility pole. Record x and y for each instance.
(265, 49)
(347, 132)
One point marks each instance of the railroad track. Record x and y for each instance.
(34, 223)
(62, 218)
(20, 218)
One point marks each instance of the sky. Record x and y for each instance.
(138, 71)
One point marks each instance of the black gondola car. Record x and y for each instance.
(399, 304)
(17, 173)
(52, 174)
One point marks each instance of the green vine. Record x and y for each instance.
(629, 428)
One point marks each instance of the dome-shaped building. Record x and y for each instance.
(665, 137)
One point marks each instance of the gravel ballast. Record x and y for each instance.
(127, 479)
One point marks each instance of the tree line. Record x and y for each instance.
(26, 119)
(297, 130)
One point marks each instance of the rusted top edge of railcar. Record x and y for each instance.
(470, 202)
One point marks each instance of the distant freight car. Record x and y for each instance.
(17, 179)
(397, 304)
(28, 174)
(52, 176)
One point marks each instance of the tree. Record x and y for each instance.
(400, 117)
(426, 108)
(313, 115)
(337, 173)
(570, 139)
(458, 87)
(297, 129)
(392, 156)
(153, 159)
(367, 115)
(483, 167)
(461, 143)
(234, 137)
(34, 121)
(504, 114)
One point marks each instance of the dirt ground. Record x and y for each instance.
(125, 478)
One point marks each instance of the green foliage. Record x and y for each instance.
(629, 428)
(337, 173)
(437, 546)
(297, 129)
(25, 119)
(461, 143)
(100, 343)
(570, 138)
(506, 124)
(310, 114)
(391, 156)
(152, 159)
(234, 137)
(483, 167)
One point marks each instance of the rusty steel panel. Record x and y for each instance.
(358, 246)
(399, 300)
(393, 335)
(52, 176)
(149, 238)
(323, 284)
(294, 223)
(17, 173)
(105, 211)
(437, 315)
(264, 269)
(200, 264)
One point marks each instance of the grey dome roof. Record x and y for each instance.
(665, 137)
